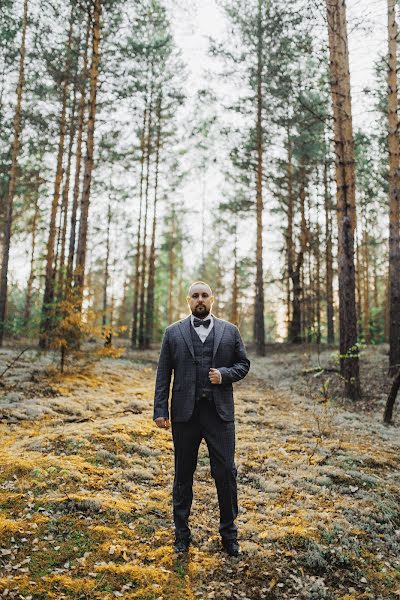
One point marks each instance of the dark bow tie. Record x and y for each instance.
(198, 322)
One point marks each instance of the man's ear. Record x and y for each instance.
(211, 299)
(187, 299)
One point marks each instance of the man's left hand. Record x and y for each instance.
(215, 376)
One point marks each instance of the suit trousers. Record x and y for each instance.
(205, 423)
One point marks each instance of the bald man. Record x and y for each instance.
(206, 355)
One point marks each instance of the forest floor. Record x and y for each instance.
(86, 479)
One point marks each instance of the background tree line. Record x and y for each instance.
(99, 139)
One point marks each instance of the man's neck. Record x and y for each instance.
(203, 317)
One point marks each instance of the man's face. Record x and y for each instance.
(200, 300)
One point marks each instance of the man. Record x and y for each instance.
(206, 355)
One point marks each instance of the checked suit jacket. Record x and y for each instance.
(177, 357)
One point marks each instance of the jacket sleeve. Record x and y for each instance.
(241, 365)
(163, 380)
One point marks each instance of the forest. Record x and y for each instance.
(138, 155)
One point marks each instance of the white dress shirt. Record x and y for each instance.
(203, 332)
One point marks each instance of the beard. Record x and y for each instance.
(201, 312)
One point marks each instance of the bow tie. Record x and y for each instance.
(198, 322)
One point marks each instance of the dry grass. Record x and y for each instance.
(86, 484)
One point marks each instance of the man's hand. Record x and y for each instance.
(215, 376)
(162, 422)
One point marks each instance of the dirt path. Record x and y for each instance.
(86, 484)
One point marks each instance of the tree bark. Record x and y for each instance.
(295, 272)
(259, 327)
(394, 194)
(152, 258)
(87, 178)
(144, 243)
(106, 274)
(62, 271)
(134, 337)
(12, 178)
(235, 287)
(48, 297)
(345, 195)
(392, 398)
(78, 158)
(328, 258)
(31, 278)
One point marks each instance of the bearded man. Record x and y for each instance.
(206, 355)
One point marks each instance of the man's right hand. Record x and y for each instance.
(162, 422)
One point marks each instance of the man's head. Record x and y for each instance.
(200, 299)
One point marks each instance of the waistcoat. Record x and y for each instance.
(203, 352)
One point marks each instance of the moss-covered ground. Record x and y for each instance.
(86, 479)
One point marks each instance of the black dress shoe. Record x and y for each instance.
(181, 544)
(231, 547)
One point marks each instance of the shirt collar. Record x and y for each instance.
(207, 317)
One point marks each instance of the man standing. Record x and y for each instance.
(206, 355)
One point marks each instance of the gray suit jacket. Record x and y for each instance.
(177, 356)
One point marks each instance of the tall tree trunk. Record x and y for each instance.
(48, 297)
(65, 198)
(295, 274)
(12, 178)
(144, 243)
(78, 158)
(31, 278)
(366, 303)
(235, 287)
(87, 177)
(358, 266)
(317, 242)
(289, 233)
(394, 194)
(259, 327)
(171, 269)
(152, 257)
(345, 183)
(328, 257)
(106, 275)
(136, 289)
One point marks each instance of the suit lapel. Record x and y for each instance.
(219, 327)
(184, 327)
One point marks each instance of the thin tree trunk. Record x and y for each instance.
(144, 243)
(328, 258)
(171, 270)
(152, 258)
(317, 242)
(235, 287)
(366, 303)
(346, 204)
(134, 338)
(78, 159)
(12, 178)
(295, 275)
(289, 234)
(31, 278)
(65, 197)
(87, 178)
(106, 275)
(394, 194)
(48, 297)
(358, 288)
(259, 327)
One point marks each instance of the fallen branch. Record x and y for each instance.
(12, 363)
